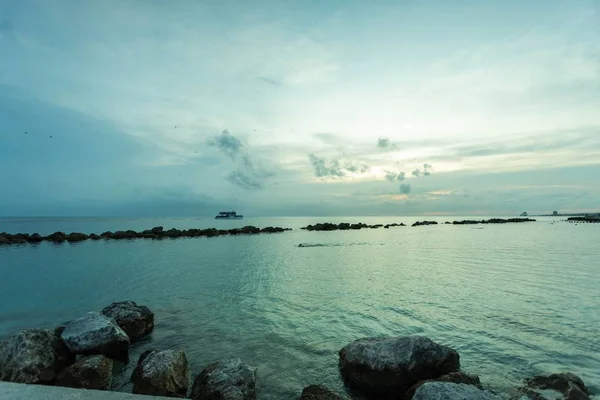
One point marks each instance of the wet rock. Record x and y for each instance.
(451, 391)
(171, 233)
(271, 229)
(57, 237)
(76, 237)
(157, 230)
(35, 238)
(33, 356)
(92, 372)
(454, 377)
(559, 382)
(567, 386)
(225, 380)
(423, 223)
(106, 235)
(93, 236)
(162, 373)
(390, 366)
(318, 392)
(136, 321)
(4, 239)
(94, 333)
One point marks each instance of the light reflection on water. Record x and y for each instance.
(514, 300)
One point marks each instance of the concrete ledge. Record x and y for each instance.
(18, 391)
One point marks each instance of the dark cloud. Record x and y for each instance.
(247, 175)
(405, 188)
(394, 176)
(385, 143)
(335, 167)
(227, 143)
(427, 169)
(353, 167)
(269, 81)
(417, 172)
(324, 168)
(244, 180)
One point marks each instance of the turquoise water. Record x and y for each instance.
(514, 300)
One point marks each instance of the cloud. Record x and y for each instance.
(385, 143)
(405, 188)
(248, 174)
(328, 138)
(394, 176)
(416, 172)
(335, 167)
(227, 143)
(427, 169)
(354, 167)
(269, 81)
(324, 168)
(244, 180)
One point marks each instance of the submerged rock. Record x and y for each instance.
(390, 366)
(225, 380)
(566, 385)
(136, 321)
(454, 377)
(94, 333)
(92, 372)
(451, 391)
(162, 373)
(33, 356)
(318, 392)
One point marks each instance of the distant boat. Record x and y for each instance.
(228, 215)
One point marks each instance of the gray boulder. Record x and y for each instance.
(33, 356)
(451, 391)
(390, 366)
(454, 377)
(136, 321)
(94, 333)
(162, 373)
(318, 392)
(92, 372)
(225, 380)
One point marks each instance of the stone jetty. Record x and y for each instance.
(159, 233)
(81, 355)
(156, 233)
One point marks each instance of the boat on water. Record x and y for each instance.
(229, 215)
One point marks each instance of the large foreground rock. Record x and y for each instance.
(33, 356)
(136, 321)
(225, 380)
(318, 392)
(94, 333)
(556, 386)
(162, 373)
(92, 372)
(390, 366)
(451, 391)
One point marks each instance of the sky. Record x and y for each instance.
(276, 108)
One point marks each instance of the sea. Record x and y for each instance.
(514, 300)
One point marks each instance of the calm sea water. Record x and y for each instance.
(514, 300)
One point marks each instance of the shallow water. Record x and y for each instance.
(514, 300)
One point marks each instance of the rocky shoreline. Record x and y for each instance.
(81, 355)
(159, 233)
